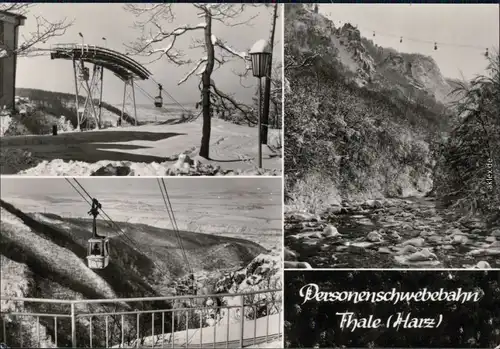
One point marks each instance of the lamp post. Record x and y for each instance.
(260, 54)
(83, 40)
(105, 42)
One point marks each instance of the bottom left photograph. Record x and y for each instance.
(133, 262)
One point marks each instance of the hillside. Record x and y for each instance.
(59, 103)
(412, 76)
(350, 121)
(43, 257)
(380, 169)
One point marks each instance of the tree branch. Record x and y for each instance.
(44, 31)
(245, 110)
(305, 63)
(192, 71)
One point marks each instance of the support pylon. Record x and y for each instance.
(128, 104)
(91, 90)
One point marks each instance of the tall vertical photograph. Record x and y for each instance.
(170, 89)
(392, 136)
(141, 262)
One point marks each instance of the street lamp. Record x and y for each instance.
(83, 41)
(105, 42)
(260, 54)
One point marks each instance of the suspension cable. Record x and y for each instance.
(170, 211)
(121, 234)
(147, 94)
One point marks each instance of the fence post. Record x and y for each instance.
(4, 325)
(242, 316)
(73, 326)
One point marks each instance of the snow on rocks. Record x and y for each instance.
(297, 265)
(262, 273)
(330, 231)
(388, 233)
(5, 121)
(374, 236)
(483, 265)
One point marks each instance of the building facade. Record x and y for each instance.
(9, 32)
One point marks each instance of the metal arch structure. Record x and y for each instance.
(90, 86)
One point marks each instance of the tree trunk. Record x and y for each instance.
(206, 77)
(267, 88)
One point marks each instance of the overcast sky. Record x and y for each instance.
(463, 24)
(111, 21)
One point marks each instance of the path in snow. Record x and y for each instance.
(232, 147)
(391, 233)
(265, 329)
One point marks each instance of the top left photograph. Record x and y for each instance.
(110, 89)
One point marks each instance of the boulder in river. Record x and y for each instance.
(302, 217)
(417, 242)
(330, 231)
(374, 236)
(424, 255)
(460, 239)
(408, 249)
(453, 231)
(297, 265)
(372, 204)
(483, 265)
(290, 255)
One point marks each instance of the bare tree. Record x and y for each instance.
(45, 29)
(153, 33)
(267, 88)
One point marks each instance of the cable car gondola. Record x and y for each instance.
(159, 98)
(98, 246)
(435, 46)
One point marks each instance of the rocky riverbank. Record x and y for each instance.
(390, 233)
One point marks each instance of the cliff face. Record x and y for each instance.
(414, 76)
(361, 119)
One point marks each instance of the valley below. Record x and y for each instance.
(43, 256)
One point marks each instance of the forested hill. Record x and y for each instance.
(366, 122)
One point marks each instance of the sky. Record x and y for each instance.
(248, 202)
(111, 21)
(463, 24)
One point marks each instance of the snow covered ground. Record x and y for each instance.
(220, 334)
(273, 344)
(63, 262)
(233, 147)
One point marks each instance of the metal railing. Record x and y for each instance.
(246, 319)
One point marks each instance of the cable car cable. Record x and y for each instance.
(419, 40)
(121, 234)
(169, 214)
(170, 211)
(147, 94)
(168, 94)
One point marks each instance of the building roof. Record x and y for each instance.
(11, 14)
